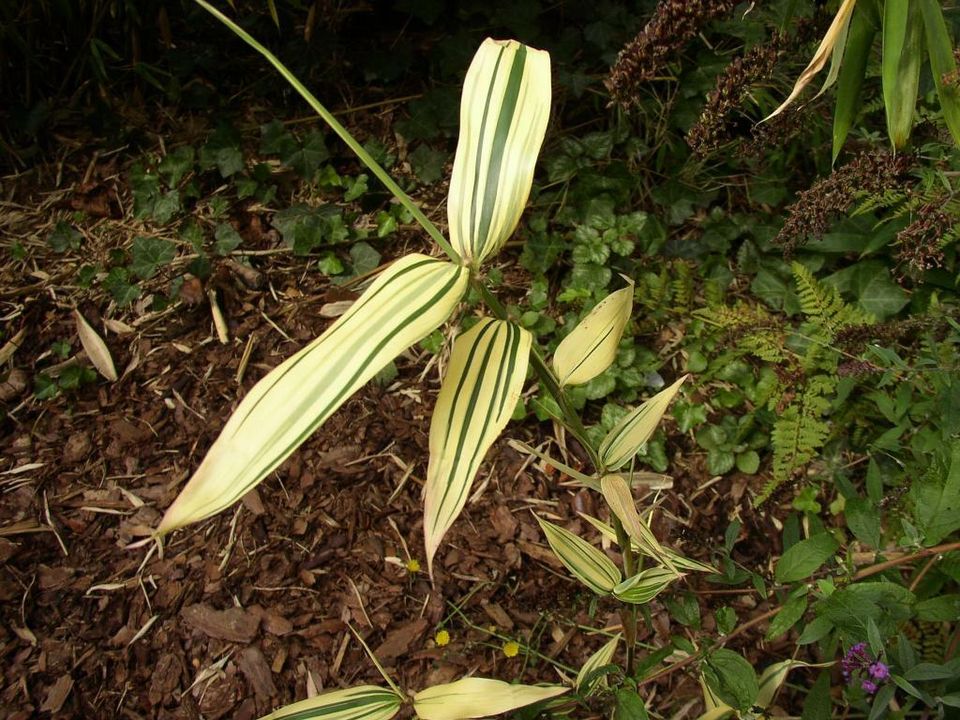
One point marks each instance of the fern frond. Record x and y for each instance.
(800, 432)
(823, 305)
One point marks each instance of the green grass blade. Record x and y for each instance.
(850, 79)
(339, 129)
(942, 64)
(900, 70)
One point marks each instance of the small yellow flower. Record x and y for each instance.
(413, 565)
(511, 648)
(442, 638)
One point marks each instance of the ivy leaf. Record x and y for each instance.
(176, 165)
(64, 237)
(427, 163)
(306, 160)
(149, 254)
(226, 239)
(118, 284)
(364, 258)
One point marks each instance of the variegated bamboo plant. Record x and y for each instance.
(504, 112)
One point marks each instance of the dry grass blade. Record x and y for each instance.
(95, 347)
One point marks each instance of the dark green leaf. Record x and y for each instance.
(855, 55)
(942, 64)
(815, 630)
(64, 237)
(306, 160)
(150, 254)
(863, 519)
(818, 705)
(801, 560)
(364, 258)
(731, 678)
(881, 701)
(176, 165)
(789, 615)
(900, 71)
(629, 706)
(937, 502)
(748, 462)
(933, 671)
(427, 163)
(944, 608)
(885, 603)
(226, 239)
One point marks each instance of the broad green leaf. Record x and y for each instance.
(828, 46)
(150, 254)
(944, 608)
(591, 347)
(589, 565)
(403, 305)
(645, 585)
(628, 435)
(503, 117)
(806, 556)
(481, 388)
(731, 678)
(850, 80)
(365, 702)
(942, 64)
(601, 657)
(773, 676)
(791, 612)
(937, 501)
(900, 69)
(478, 697)
(620, 499)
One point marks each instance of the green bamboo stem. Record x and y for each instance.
(340, 130)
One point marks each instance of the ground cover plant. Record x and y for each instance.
(741, 503)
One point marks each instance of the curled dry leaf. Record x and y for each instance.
(95, 347)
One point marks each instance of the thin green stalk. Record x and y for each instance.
(628, 613)
(339, 129)
(570, 417)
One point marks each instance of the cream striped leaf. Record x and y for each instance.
(679, 561)
(620, 499)
(478, 697)
(478, 395)
(365, 702)
(601, 657)
(406, 303)
(645, 585)
(503, 117)
(629, 435)
(591, 347)
(589, 565)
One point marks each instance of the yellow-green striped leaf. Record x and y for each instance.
(773, 676)
(405, 304)
(477, 397)
(645, 585)
(591, 347)
(365, 702)
(900, 66)
(620, 499)
(943, 65)
(601, 657)
(589, 565)
(478, 697)
(829, 45)
(627, 437)
(679, 561)
(503, 117)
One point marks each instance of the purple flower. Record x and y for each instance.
(859, 666)
(879, 671)
(868, 686)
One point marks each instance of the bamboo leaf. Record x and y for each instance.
(365, 702)
(479, 393)
(620, 499)
(591, 347)
(478, 697)
(772, 678)
(405, 304)
(827, 46)
(503, 117)
(95, 347)
(601, 657)
(626, 438)
(679, 561)
(645, 585)
(850, 80)
(900, 66)
(589, 565)
(943, 65)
